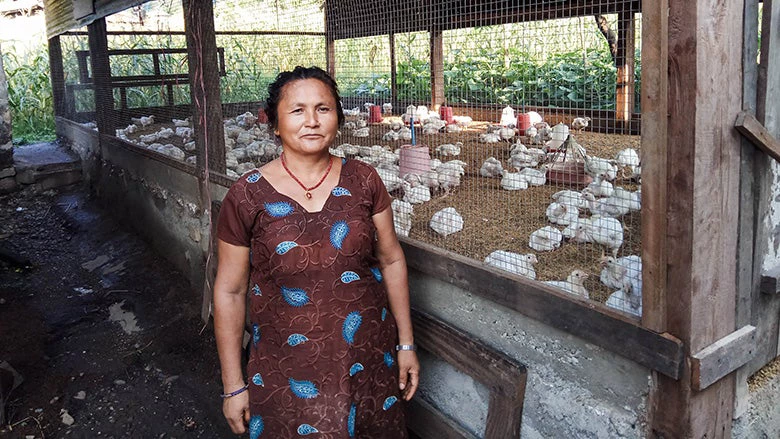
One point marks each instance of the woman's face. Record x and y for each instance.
(308, 119)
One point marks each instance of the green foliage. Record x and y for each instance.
(29, 95)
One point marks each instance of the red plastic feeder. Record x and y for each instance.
(568, 173)
(446, 114)
(375, 114)
(523, 123)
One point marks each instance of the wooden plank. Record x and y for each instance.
(437, 69)
(330, 45)
(393, 75)
(655, 31)
(204, 86)
(750, 127)
(747, 201)
(719, 359)
(770, 285)
(426, 422)
(503, 376)
(624, 60)
(101, 77)
(57, 76)
(590, 321)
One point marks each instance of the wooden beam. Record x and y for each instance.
(204, 86)
(750, 127)
(330, 45)
(705, 93)
(590, 321)
(503, 376)
(747, 201)
(101, 77)
(719, 359)
(427, 422)
(655, 93)
(57, 77)
(393, 75)
(437, 69)
(626, 46)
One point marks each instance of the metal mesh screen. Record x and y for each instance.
(507, 132)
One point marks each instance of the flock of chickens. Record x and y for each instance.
(590, 215)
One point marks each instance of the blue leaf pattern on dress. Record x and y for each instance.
(384, 313)
(338, 232)
(305, 429)
(343, 161)
(284, 247)
(389, 359)
(303, 389)
(339, 191)
(349, 276)
(279, 209)
(377, 273)
(296, 339)
(255, 334)
(255, 427)
(389, 401)
(295, 296)
(351, 325)
(253, 178)
(256, 290)
(257, 380)
(351, 420)
(357, 367)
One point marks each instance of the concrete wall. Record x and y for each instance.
(575, 389)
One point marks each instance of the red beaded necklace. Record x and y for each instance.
(307, 189)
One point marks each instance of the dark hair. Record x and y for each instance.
(298, 73)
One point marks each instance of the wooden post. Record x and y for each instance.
(624, 93)
(393, 75)
(702, 201)
(101, 77)
(437, 69)
(330, 46)
(655, 29)
(204, 86)
(57, 76)
(747, 205)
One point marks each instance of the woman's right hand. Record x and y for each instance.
(236, 411)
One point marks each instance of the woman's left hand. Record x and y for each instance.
(409, 373)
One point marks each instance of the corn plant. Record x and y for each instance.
(29, 95)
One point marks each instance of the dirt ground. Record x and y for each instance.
(99, 326)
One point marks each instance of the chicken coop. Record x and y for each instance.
(568, 180)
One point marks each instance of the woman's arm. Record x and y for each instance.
(229, 316)
(393, 266)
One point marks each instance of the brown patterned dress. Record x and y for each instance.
(322, 359)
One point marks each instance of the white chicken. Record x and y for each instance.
(562, 214)
(390, 136)
(361, 132)
(602, 230)
(180, 123)
(598, 167)
(534, 177)
(448, 149)
(421, 114)
(391, 179)
(622, 273)
(489, 138)
(578, 224)
(405, 133)
(453, 128)
(546, 239)
(449, 174)
(491, 168)
(571, 198)
(621, 301)
(513, 181)
(600, 187)
(506, 133)
(574, 284)
(516, 263)
(387, 108)
(402, 217)
(416, 194)
(143, 121)
(446, 221)
(508, 117)
(580, 123)
(462, 121)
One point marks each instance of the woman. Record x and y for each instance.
(332, 348)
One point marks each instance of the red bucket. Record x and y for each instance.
(375, 114)
(523, 123)
(446, 114)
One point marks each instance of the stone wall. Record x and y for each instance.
(7, 171)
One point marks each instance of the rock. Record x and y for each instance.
(67, 419)
(120, 382)
(80, 395)
(55, 399)
(7, 185)
(8, 172)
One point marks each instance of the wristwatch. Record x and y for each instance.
(405, 347)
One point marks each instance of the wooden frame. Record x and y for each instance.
(505, 377)
(590, 321)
